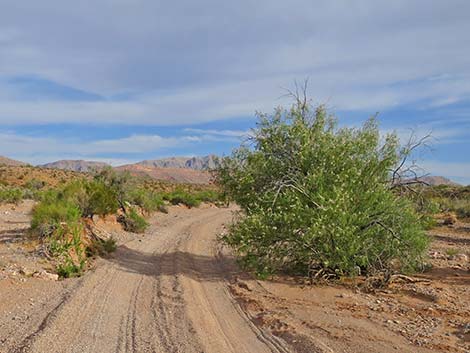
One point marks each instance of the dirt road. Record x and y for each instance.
(175, 290)
(166, 292)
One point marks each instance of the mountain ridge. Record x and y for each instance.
(11, 162)
(177, 169)
(76, 165)
(197, 163)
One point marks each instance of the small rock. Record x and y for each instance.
(461, 257)
(26, 272)
(450, 219)
(47, 275)
(437, 255)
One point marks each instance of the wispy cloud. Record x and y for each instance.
(40, 150)
(189, 64)
(230, 133)
(227, 66)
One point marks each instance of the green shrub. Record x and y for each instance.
(451, 199)
(69, 270)
(65, 245)
(317, 199)
(121, 183)
(182, 197)
(35, 184)
(147, 200)
(91, 197)
(102, 199)
(101, 247)
(11, 195)
(75, 192)
(48, 217)
(133, 222)
(462, 208)
(209, 196)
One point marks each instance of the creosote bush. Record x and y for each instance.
(317, 199)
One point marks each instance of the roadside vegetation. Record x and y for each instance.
(193, 199)
(325, 201)
(450, 199)
(62, 218)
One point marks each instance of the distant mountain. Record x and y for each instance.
(10, 162)
(192, 170)
(196, 163)
(176, 175)
(76, 165)
(438, 180)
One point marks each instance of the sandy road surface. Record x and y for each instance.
(167, 292)
(175, 290)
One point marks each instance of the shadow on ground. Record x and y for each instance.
(12, 235)
(452, 240)
(198, 267)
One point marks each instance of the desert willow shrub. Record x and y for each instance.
(316, 198)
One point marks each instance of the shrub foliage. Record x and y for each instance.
(179, 196)
(316, 198)
(133, 222)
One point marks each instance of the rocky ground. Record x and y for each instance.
(176, 289)
(424, 312)
(18, 252)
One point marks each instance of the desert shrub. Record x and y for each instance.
(209, 196)
(147, 200)
(33, 194)
(66, 246)
(449, 198)
(102, 199)
(76, 193)
(69, 269)
(180, 196)
(35, 184)
(50, 216)
(426, 207)
(101, 247)
(121, 184)
(133, 222)
(462, 208)
(317, 199)
(91, 197)
(11, 195)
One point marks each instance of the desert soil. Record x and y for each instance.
(175, 289)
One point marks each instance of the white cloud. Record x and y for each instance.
(435, 136)
(198, 105)
(229, 133)
(37, 150)
(197, 62)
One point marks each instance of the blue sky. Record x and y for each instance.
(123, 80)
